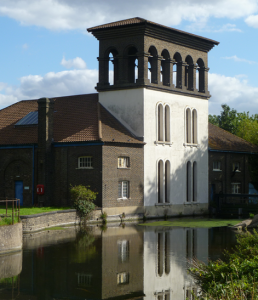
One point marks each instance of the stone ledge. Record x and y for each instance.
(10, 238)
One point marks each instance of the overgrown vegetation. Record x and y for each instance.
(234, 278)
(7, 221)
(82, 198)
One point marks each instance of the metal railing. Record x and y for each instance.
(15, 210)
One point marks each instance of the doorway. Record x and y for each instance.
(19, 190)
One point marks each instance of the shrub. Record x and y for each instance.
(104, 217)
(82, 198)
(234, 278)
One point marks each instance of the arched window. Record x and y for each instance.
(188, 181)
(200, 80)
(111, 66)
(132, 64)
(188, 126)
(160, 253)
(194, 126)
(160, 181)
(189, 71)
(195, 181)
(165, 64)
(163, 257)
(160, 122)
(167, 253)
(167, 181)
(167, 123)
(153, 63)
(177, 57)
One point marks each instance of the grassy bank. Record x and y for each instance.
(7, 221)
(194, 222)
(25, 211)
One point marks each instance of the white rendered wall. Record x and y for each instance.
(136, 109)
(177, 280)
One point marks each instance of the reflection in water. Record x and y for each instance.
(118, 263)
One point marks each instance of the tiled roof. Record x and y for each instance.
(220, 139)
(76, 119)
(138, 20)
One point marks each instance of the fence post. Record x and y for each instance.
(19, 211)
(12, 211)
(6, 204)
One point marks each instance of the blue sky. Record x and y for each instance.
(46, 51)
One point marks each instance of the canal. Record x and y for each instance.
(119, 262)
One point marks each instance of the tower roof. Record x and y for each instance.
(132, 22)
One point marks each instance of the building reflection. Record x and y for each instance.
(130, 262)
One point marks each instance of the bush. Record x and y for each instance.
(82, 198)
(234, 278)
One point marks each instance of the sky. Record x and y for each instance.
(47, 52)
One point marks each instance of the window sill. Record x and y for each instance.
(191, 203)
(163, 204)
(217, 170)
(122, 199)
(125, 168)
(163, 143)
(90, 168)
(191, 145)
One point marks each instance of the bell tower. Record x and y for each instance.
(154, 80)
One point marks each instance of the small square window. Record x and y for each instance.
(85, 162)
(123, 162)
(235, 188)
(122, 278)
(123, 189)
(236, 167)
(216, 166)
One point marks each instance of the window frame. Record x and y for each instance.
(126, 160)
(234, 166)
(236, 184)
(216, 162)
(83, 157)
(163, 124)
(191, 127)
(120, 190)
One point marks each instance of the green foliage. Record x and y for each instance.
(8, 221)
(82, 198)
(104, 217)
(251, 216)
(234, 278)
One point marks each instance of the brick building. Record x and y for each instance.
(229, 170)
(142, 141)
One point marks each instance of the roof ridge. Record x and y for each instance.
(233, 134)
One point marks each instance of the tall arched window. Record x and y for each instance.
(160, 123)
(194, 181)
(165, 64)
(188, 126)
(160, 253)
(200, 80)
(153, 61)
(163, 123)
(160, 181)
(132, 64)
(167, 123)
(112, 66)
(167, 181)
(188, 181)
(163, 257)
(194, 126)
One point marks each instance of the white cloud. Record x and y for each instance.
(252, 21)
(228, 27)
(80, 14)
(235, 58)
(50, 85)
(76, 63)
(234, 91)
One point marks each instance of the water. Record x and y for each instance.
(131, 262)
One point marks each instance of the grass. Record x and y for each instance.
(25, 211)
(201, 223)
(8, 221)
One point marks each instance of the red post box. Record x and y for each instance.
(40, 189)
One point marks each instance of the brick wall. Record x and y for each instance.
(112, 175)
(67, 172)
(223, 179)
